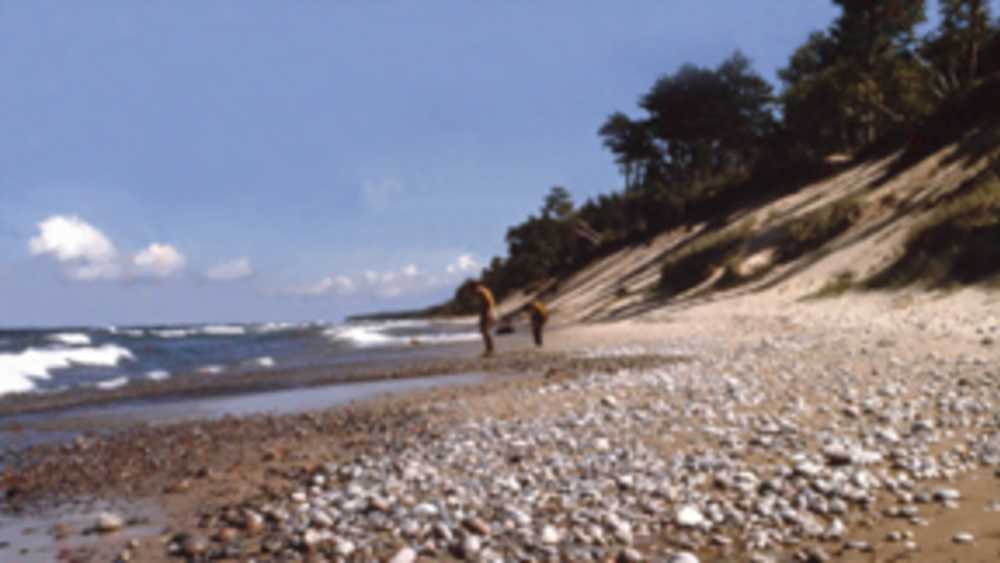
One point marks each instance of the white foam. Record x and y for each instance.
(265, 362)
(370, 336)
(171, 333)
(157, 374)
(360, 336)
(20, 371)
(112, 383)
(70, 338)
(267, 328)
(211, 369)
(223, 330)
(133, 332)
(444, 338)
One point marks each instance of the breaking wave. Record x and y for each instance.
(20, 371)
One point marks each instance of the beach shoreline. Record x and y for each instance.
(773, 363)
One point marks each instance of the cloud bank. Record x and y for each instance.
(389, 284)
(87, 254)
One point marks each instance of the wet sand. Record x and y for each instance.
(20, 431)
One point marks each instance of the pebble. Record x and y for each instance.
(858, 545)
(194, 546)
(471, 546)
(963, 537)
(404, 555)
(554, 487)
(689, 516)
(312, 538)
(477, 525)
(944, 495)
(630, 555)
(550, 535)
(425, 509)
(344, 547)
(108, 522)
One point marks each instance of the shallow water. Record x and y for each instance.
(30, 538)
(32, 429)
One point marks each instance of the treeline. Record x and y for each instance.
(709, 140)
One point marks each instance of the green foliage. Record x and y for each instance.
(809, 232)
(633, 147)
(709, 121)
(846, 88)
(868, 31)
(954, 50)
(558, 204)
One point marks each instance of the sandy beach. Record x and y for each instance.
(855, 429)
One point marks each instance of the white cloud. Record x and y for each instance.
(86, 254)
(377, 195)
(230, 271)
(340, 285)
(83, 250)
(159, 260)
(464, 264)
(389, 284)
(71, 238)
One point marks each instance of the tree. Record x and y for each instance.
(813, 99)
(846, 87)
(632, 146)
(869, 31)
(874, 39)
(817, 54)
(558, 204)
(706, 121)
(953, 52)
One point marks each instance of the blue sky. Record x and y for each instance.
(171, 161)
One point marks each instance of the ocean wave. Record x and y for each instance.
(371, 336)
(360, 336)
(109, 384)
(264, 362)
(171, 333)
(20, 371)
(223, 330)
(157, 374)
(268, 328)
(211, 369)
(70, 338)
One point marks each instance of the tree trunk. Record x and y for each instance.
(976, 33)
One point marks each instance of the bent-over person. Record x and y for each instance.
(539, 315)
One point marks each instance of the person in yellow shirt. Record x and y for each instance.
(539, 315)
(487, 315)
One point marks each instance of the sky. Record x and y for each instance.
(182, 161)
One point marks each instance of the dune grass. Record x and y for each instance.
(958, 243)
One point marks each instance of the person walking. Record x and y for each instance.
(539, 315)
(487, 315)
